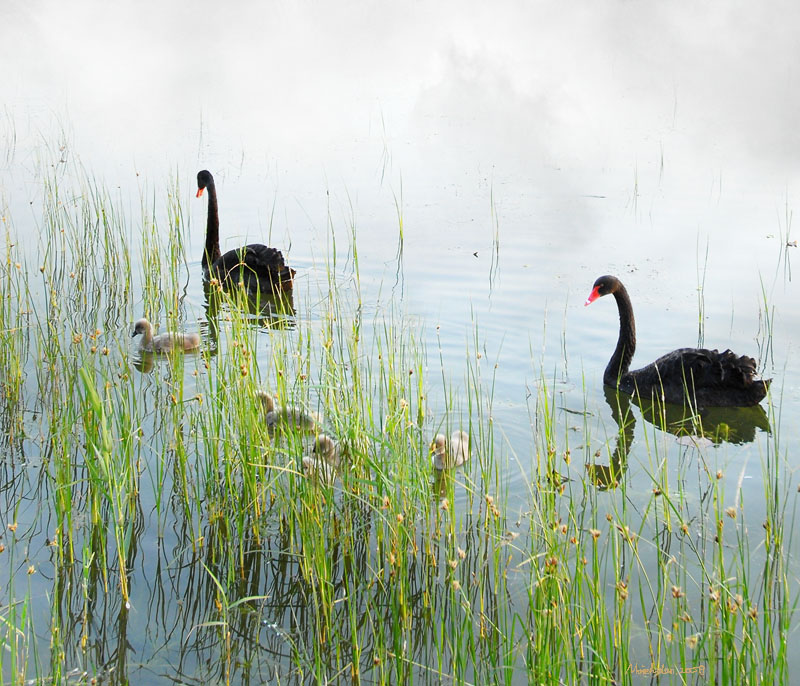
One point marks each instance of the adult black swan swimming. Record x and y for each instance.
(707, 378)
(259, 267)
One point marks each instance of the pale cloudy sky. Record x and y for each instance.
(549, 80)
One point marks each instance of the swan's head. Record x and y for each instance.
(603, 286)
(204, 180)
(141, 327)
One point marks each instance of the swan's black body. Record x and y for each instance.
(707, 378)
(259, 267)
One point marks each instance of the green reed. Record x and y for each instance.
(17, 644)
(389, 573)
(14, 341)
(576, 554)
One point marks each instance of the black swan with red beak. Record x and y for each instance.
(259, 267)
(706, 378)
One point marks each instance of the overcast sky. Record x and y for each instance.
(547, 80)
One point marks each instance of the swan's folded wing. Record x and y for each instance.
(710, 368)
(255, 261)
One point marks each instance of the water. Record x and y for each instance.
(527, 149)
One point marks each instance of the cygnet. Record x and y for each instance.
(164, 342)
(295, 418)
(323, 461)
(448, 454)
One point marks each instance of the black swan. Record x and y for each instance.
(260, 268)
(707, 377)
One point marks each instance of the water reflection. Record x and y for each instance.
(606, 476)
(144, 361)
(83, 607)
(244, 613)
(704, 426)
(266, 310)
(715, 424)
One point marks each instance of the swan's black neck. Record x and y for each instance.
(620, 361)
(211, 253)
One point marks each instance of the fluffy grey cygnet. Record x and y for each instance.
(452, 452)
(295, 418)
(323, 461)
(164, 342)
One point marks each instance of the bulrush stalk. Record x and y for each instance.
(268, 507)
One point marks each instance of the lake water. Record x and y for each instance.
(493, 161)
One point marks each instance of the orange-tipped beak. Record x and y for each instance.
(199, 192)
(594, 295)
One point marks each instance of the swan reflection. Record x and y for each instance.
(265, 310)
(702, 426)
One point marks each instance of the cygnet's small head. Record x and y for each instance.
(204, 180)
(439, 444)
(141, 327)
(325, 447)
(267, 400)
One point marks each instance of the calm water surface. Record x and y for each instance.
(526, 150)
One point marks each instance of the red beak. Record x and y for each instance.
(594, 295)
(199, 192)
